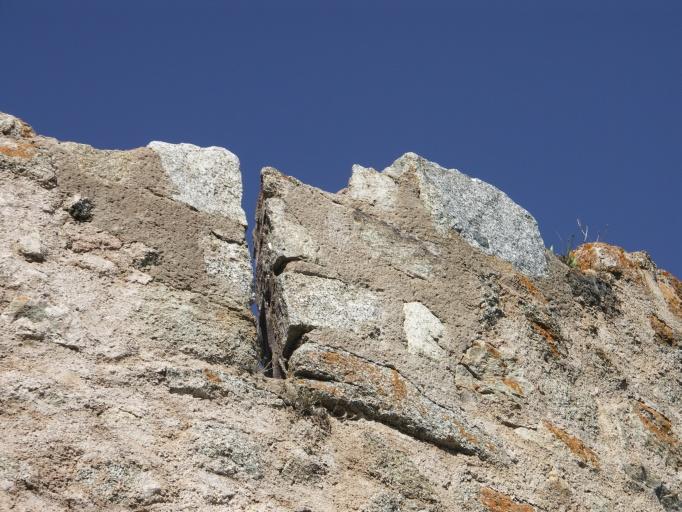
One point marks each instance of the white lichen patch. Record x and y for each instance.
(423, 330)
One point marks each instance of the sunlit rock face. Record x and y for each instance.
(207, 179)
(483, 215)
(119, 271)
(415, 347)
(423, 300)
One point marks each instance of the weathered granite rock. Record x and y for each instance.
(417, 372)
(342, 381)
(483, 215)
(207, 179)
(110, 286)
(424, 300)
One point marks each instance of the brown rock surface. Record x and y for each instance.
(552, 371)
(400, 365)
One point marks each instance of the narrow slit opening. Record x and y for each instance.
(265, 363)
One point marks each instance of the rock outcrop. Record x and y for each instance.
(416, 348)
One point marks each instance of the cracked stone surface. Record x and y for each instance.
(552, 381)
(397, 362)
(343, 381)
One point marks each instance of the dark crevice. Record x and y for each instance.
(265, 363)
(281, 263)
(191, 391)
(293, 342)
(225, 238)
(472, 372)
(75, 348)
(350, 409)
(313, 375)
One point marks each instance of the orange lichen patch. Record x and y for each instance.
(319, 385)
(574, 444)
(660, 426)
(671, 288)
(663, 333)
(531, 288)
(493, 351)
(674, 282)
(399, 387)
(466, 434)
(548, 335)
(212, 376)
(602, 257)
(353, 368)
(357, 371)
(513, 385)
(18, 150)
(498, 502)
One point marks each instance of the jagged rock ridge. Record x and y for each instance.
(417, 348)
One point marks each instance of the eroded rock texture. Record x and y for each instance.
(423, 300)
(124, 305)
(417, 348)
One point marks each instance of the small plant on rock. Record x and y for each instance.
(569, 245)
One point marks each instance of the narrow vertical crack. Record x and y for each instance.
(265, 363)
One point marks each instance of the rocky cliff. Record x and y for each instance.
(416, 348)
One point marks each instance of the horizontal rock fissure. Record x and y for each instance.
(281, 263)
(337, 379)
(358, 410)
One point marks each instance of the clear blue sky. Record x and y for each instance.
(573, 108)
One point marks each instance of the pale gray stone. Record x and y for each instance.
(229, 262)
(31, 247)
(313, 301)
(288, 240)
(207, 179)
(375, 188)
(482, 214)
(423, 330)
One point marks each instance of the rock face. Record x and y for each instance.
(482, 215)
(415, 349)
(423, 300)
(118, 302)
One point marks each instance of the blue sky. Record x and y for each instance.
(573, 108)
